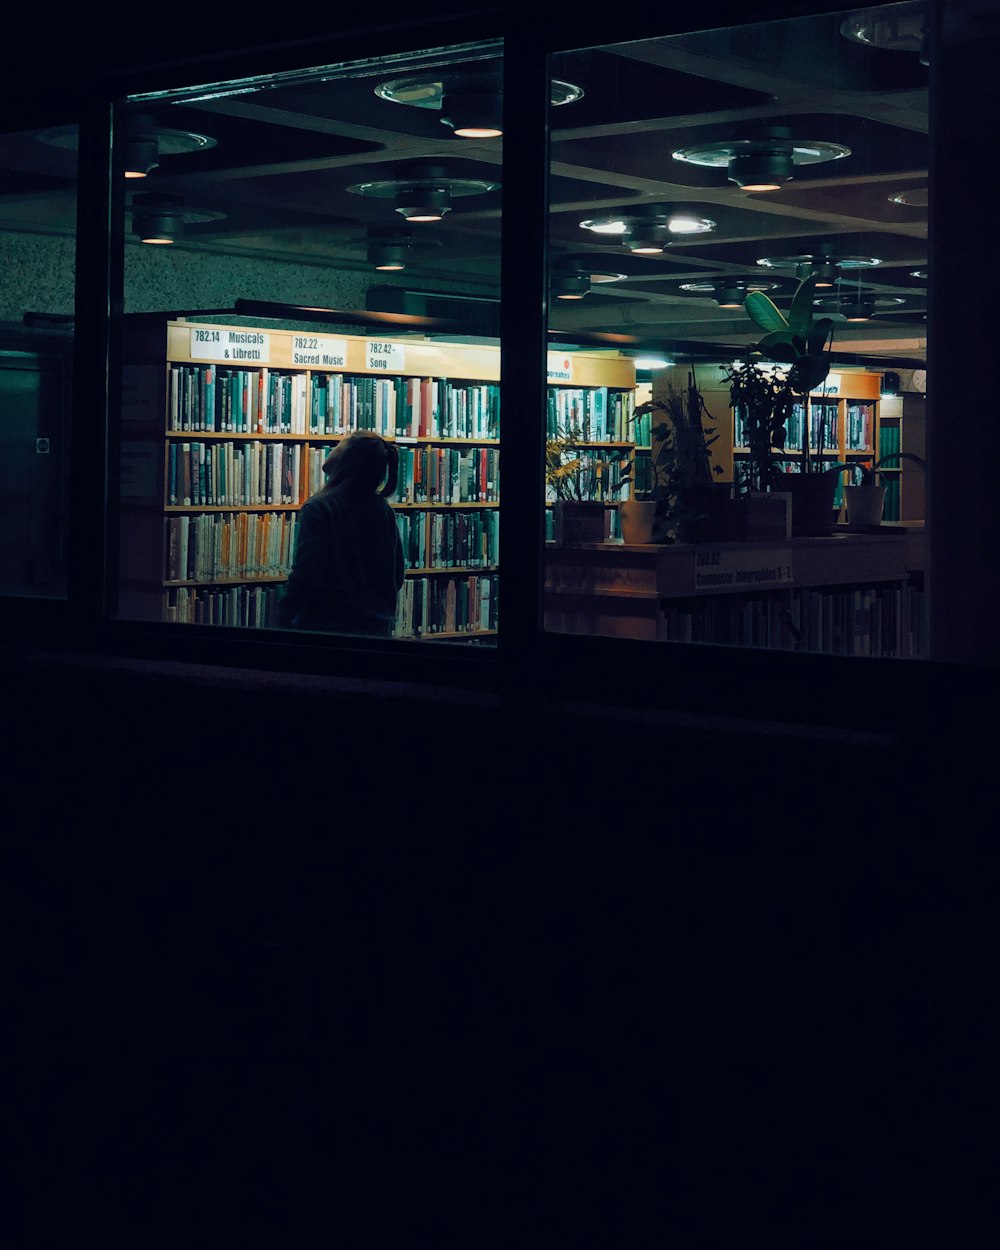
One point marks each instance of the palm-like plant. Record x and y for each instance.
(798, 341)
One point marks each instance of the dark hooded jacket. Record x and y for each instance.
(348, 564)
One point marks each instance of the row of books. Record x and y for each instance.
(889, 441)
(212, 546)
(204, 474)
(594, 414)
(882, 620)
(859, 429)
(448, 474)
(227, 605)
(612, 525)
(890, 508)
(441, 540)
(593, 474)
(447, 605)
(214, 398)
(426, 605)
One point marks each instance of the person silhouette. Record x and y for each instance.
(348, 565)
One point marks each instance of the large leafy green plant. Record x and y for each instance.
(799, 342)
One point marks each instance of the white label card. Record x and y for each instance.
(560, 367)
(717, 569)
(319, 350)
(384, 357)
(236, 346)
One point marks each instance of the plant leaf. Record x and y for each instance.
(800, 314)
(763, 311)
(818, 335)
(777, 347)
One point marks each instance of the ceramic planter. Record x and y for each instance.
(864, 504)
(637, 518)
(577, 521)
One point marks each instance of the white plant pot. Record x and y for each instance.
(637, 518)
(864, 504)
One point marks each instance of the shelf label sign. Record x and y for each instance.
(138, 470)
(319, 349)
(384, 357)
(559, 367)
(235, 346)
(716, 568)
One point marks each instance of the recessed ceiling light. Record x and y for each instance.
(896, 27)
(162, 219)
(762, 163)
(825, 266)
(424, 195)
(917, 198)
(571, 280)
(858, 305)
(649, 232)
(729, 292)
(145, 143)
(470, 104)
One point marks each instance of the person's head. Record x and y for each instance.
(365, 460)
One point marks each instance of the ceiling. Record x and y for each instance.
(276, 181)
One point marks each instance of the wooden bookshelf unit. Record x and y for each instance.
(223, 434)
(850, 594)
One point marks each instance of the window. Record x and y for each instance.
(37, 257)
(327, 244)
(690, 177)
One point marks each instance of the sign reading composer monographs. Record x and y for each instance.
(718, 568)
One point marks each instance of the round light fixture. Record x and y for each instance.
(857, 305)
(649, 232)
(162, 219)
(389, 249)
(915, 198)
(827, 268)
(426, 195)
(729, 292)
(470, 104)
(896, 27)
(145, 143)
(573, 280)
(765, 162)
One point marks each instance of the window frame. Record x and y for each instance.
(675, 676)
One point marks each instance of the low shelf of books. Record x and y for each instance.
(250, 416)
(591, 402)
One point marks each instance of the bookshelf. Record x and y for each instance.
(224, 431)
(850, 594)
(902, 427)
(845, 414)
(590, 404)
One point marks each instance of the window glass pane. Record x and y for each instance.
(699, 184)
(328, 245)
(37, 258)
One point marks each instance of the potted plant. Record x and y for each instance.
(575, 489)
(799, 342)
(688, 501)
(866, 499)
